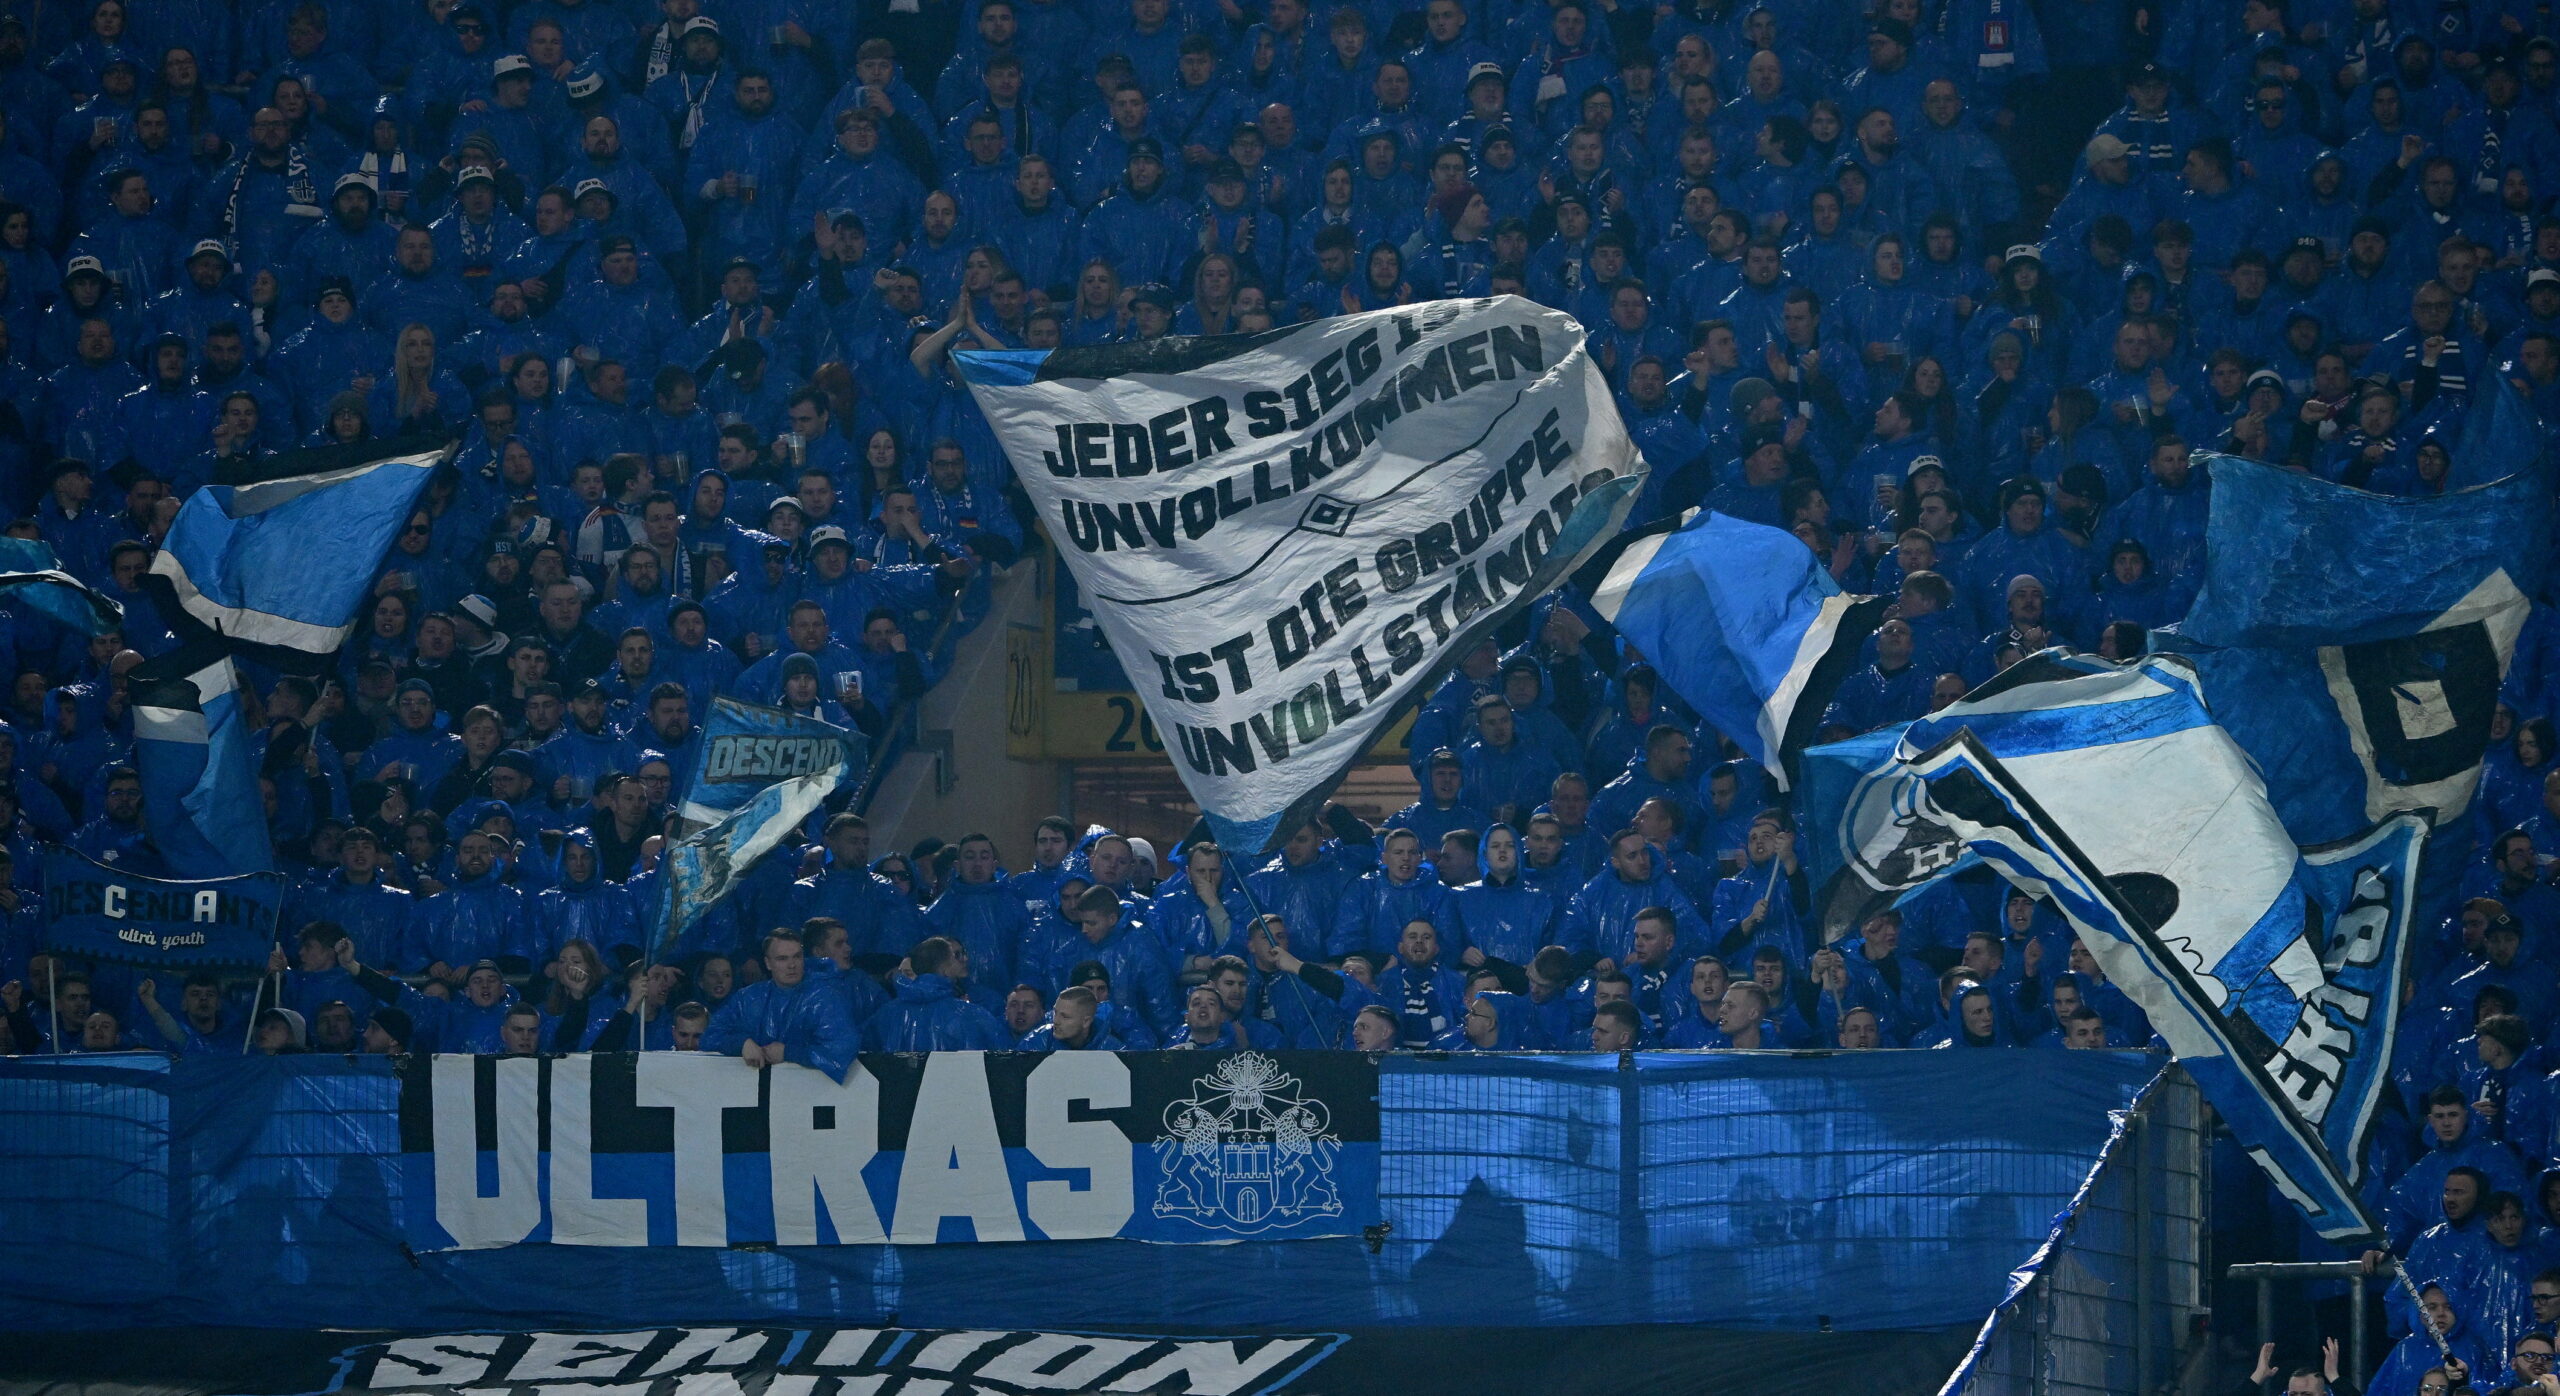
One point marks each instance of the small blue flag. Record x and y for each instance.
(1743, 623)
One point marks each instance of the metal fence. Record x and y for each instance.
(2108, 1306)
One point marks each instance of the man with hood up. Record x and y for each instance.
(583, 905)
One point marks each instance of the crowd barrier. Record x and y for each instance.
(1805, 1192)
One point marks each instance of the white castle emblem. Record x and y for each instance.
(1247, 1152)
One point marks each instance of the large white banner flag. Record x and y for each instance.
(1285, 535)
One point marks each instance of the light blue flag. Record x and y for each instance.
(200, 797)
(746, 748)
(280, 565)
(2273, 972)
(706, 865)
(32, 577)
(1743, 623)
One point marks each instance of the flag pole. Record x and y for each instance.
(2410, 1288)
(258, 995)
(1262, 926)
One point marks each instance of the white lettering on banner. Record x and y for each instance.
(578, 1216)
(709, 1347)
(760, 760)
(699, 1089)
(1279, 565)
(581, 1356)
(828, 1362)
(450, 1361)
(954, 1164)
(473, 1220)
(819, 1165)
(1101, 1206)
(114, 900)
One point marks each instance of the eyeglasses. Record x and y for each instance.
(2547, 1298)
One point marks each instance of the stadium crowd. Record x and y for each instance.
(1958, 291)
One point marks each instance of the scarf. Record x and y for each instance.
(1996, 50)
(662, 50)
(693, 104)
(390, 172)
(302, 197)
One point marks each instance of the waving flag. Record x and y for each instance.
(32, 577)
(762, 773)
(277, 563)
(1287, 535)
(2357, 642)
(200, 796)
(1743, 623)
(2273, 973)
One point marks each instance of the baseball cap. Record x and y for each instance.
(513, 65)
(2146, 74)
(209, 247)
(1146, 148)
(1484, 70)
(1893, 29)
(700, 24)
(2541, 276)
(825, 534)
(2105, 147)
(592, 186)
(80, 265)
(2025, 251)
(585, 80)
(1226, 172)
(480, 608)
(353, 179)
(476, 174)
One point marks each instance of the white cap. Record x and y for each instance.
(215, 247)
(354, 179)
(827, 533)
(511, 65)
(1143, 851)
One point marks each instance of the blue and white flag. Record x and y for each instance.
(32, 577)
(200, 797)
(278, 565)
(2357, 643)
(746, 748)
(101, 913)
(799, 773)
(2273, 972)
(1867, 844)
(1286, 536)
(1743, 623)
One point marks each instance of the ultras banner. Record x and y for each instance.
(687, 1149)
(1283, 535)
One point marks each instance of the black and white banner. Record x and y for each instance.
(688, 1149)
(1284, 535)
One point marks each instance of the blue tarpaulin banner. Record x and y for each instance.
(101, 913)
(1750, 1190)
(683, 1149)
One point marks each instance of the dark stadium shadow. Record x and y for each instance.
(1478, 1271)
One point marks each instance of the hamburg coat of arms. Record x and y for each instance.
(1247, 1151)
